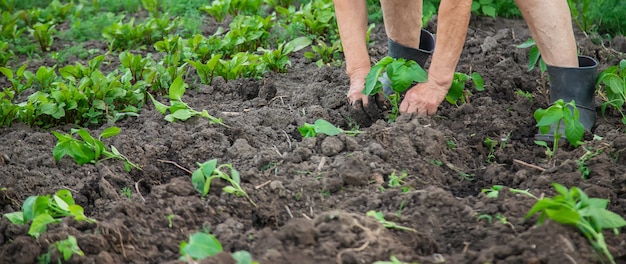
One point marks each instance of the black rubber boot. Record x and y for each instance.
(578, 84)
(420, 55)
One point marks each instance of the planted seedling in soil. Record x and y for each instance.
(402, 74)
(388, 224)
(589, 215)
(88, 149)
(43, 210)
(457, 91)
(555, 116)
(66, 248)
(178, 109)
(322, 126)
(203, 245)
(208, 171)
(614, 92)
(494, 191)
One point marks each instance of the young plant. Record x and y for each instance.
(204, 245)
(588, 215)
(534, 56)
(322, 126)
(66, 248)
(582, 161)
(484, 7)
(206, 71)
(88, 149)
(178, 109)
(323, 54)
(494, 191)
(44, 35)
(277, 60)
(127, 192)
(457, 90)
(402, 74)
(557, 115)
(614, 92)
(43, 210)
(490, 144)
(378, 215)
(525, 94)
(208, 171)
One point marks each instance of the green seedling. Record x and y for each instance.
(392, 260)
(614, 92)
(170, 217)
(494, 191)
(378, 215)
(558, 114)
(44, 35)
(582, 161)
(589, 215)
(40, 211)
(18, 80)
(277, 60)
(208, 171)
(323, 54)
(127, 192)
(525, 94)
(179, 110)
(534, 56)
(5, 53)
(402, 74)
(491, 145)
(397, 180)
(207, 70)
(322, 126)
(457, 91)
(203, 245)
(549, 151)
(88, 149)
(67, 248)
(487, 217)
(451, 144)
(484, 7)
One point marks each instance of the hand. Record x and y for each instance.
(357, 84)
(424, 98)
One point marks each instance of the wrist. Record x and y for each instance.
(443, 82)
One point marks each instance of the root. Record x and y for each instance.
(370, 236)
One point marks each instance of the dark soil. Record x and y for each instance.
(313, 194)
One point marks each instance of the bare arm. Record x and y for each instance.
(424, 98)
(352, 23)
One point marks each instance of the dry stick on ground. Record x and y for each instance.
(528, 165)
(176, 164)
(262, 185)
(289, 212)
(370, 236)
(137, 189)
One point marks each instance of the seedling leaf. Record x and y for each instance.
(110, 132)
(325, 127)
(177, 89)
(201, 246)
(39, 224)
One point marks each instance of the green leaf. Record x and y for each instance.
(297, 44)
(242, 257)
(527, 44)
(78, 212)
(158, 105)
(479, 83)
(551, 116)
(574, 132)
(489, 10)
(615, 84)
(28, 208)
(60, 203)
(533, 58)
(562, 190)
(610, 219)
(372, 79)
(110, 132)
(325, 127)
(234, 175)
(40, 223)
(230, 189)
(208, 168)
(16, 218)
(540, 205)
(307, 130)
(201, 246)
(564, 215)
(541, 143)
(182, 114)
(177, 89)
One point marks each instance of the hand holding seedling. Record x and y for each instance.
(424, 98)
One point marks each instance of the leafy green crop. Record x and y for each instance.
(402, 74)
(178, 109)
(534, 56)
(555, 116)
(574, 207)
(614, 92)
(123, 36)
(484, 7)
(277, 60)
(457, 88)
(321, 126)
(66, 247)
(43, 210)
(206, 71)
(44, 35)
(323, 54)
(388, 224)
(208, 171)
(88, 149)
(203, 245)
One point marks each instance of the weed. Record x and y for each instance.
(490, 144)
(88, 149)
(494, 191)
(555, 116)
(127, 192)
(582, 161)
(43, 210)
(525, 94)
(451, 144)
(208, 171)
(169, 220)
(321, 126)
(378, 215)
(588, 215)
(436, 162)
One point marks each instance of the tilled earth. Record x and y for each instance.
(313, 194)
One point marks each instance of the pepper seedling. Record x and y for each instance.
(402, 74)
(588, 215)
(322, 126)
(558, 114)
(208, 171)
